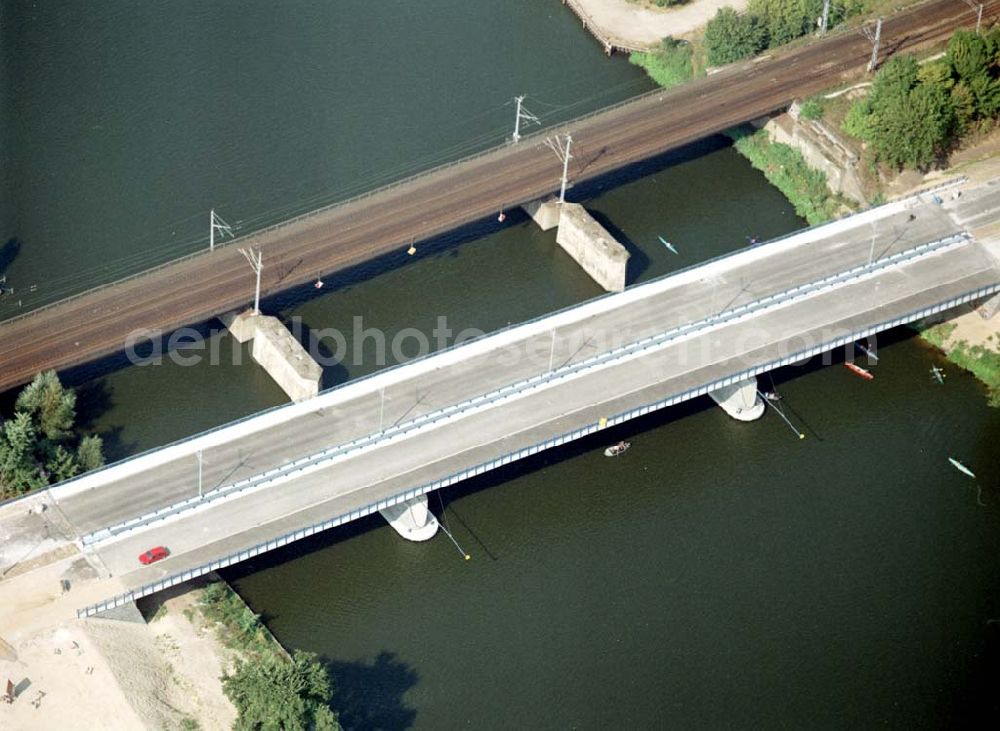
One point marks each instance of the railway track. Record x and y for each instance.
(98, 323)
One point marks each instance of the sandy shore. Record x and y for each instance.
(643, 24)
(108, 674)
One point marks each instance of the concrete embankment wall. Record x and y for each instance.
(823, 149)
(596, 250)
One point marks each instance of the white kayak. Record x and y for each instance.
(961, 467)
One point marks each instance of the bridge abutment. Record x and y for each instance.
(126, 612)
(544, 212)
(412, 519)
(989, 307)
(280, 354)
(740, 400)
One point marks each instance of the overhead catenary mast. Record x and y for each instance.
(874, 38)
(522, 115)
(257, 264)
(561, 146)
(217, 224)
(978, 7)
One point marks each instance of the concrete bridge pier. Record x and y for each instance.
(740, 400)
(583, 238)
(281, 355)
(412, 519)
(594, 249)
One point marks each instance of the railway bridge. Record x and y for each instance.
(383, 223)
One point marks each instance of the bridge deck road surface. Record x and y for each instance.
(207, 285)
(742, 278)
(530, 417)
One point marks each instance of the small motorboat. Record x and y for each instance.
(859, 371)
(617, 449)
(938, 374)
(772, 396)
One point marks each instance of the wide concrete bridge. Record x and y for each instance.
(392, 437)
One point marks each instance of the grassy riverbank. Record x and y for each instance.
(237, 627)
(979, 358)
(269, 687)
(672, 64)
(786, 169)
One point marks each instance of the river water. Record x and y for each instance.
(718, 574)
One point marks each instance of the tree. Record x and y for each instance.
(893, 81)
(730, 36)
(969, 54)
(89, 454)
(52, 407)
(38, 446)
(964, 106)
(914, 129)
(18, 470)
(61, 464)
(909, 117)
(273, 694)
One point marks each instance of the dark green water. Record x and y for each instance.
(717, 575)
(129, 121)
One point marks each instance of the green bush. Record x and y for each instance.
(732, 36)
(669, 65)
(811, 109)
(240, 628)
(859, 121)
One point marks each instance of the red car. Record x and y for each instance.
(153, 555)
